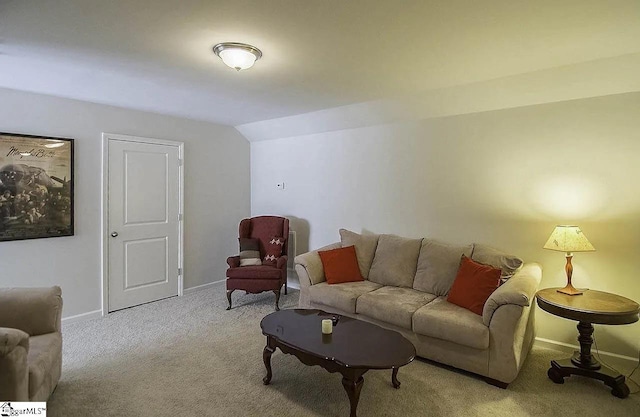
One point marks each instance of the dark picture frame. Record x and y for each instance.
(36, 186)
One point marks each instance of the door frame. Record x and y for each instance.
(106, 137)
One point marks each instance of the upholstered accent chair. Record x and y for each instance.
(269, 276)
(30, 343)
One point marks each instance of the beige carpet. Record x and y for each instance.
(189, 357)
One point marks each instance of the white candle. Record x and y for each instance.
(327, 326)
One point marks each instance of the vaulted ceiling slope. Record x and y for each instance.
(155, 55)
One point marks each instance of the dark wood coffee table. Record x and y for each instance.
(352, 349)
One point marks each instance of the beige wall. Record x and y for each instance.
(216, 194)
(503, 178)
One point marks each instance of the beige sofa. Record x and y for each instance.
(30, 343)
(405, 288)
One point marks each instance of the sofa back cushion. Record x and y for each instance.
(438, 265)
(365, 248)
(395, 261)
(487, 255)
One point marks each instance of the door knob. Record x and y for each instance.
(114, 234)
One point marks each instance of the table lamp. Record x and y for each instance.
(569, 239)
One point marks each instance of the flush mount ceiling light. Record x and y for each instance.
(238, 56)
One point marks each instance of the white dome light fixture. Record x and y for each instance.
(238, 56)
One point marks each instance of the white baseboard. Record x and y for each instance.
(197, 288)
(96, 314)
(615, 360)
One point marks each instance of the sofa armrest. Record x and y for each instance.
(14, 371)
(33, 310)
(518, 290)
(233, 261)
(309, 266)
(12, 338)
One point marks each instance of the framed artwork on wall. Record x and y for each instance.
(36, 187)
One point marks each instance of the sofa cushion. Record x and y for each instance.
(44, 359)
(446, 321)
(474, 283)
(395, 261)
(393, 305)
(340, 265)
(340, 296)
(365, 245)
(438, 265)
(509, 264)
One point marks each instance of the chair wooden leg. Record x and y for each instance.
(285, 288)
(229, 292)
(277, 293)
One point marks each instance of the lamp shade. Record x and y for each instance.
(568, 239)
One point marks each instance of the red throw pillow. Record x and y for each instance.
(341, 265)
(273, 251)
(473, 285)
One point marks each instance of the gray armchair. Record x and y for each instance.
(30, 343)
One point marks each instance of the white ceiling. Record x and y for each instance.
(155, 55)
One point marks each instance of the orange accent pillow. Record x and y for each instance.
(340, 265)
(473, 285)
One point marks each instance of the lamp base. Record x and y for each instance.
(570, 290)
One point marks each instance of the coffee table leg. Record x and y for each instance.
(394, 378)
(353, 385)
(266, 357)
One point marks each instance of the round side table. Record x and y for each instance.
(591, 307)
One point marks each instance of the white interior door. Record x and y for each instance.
(143, 224)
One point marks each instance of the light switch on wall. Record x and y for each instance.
(280, 186)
